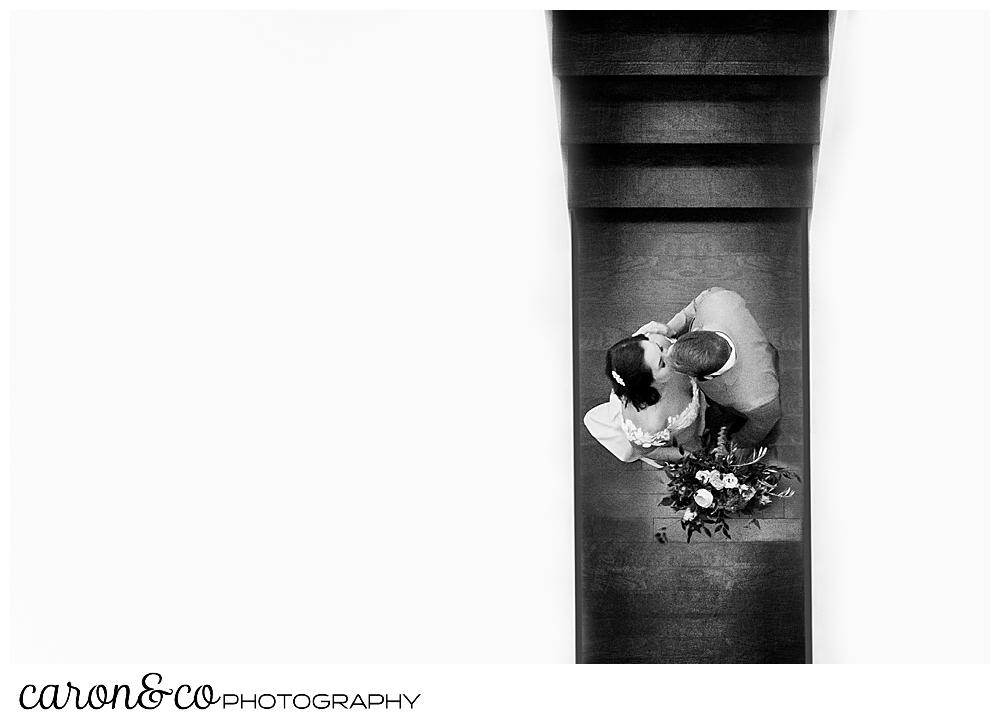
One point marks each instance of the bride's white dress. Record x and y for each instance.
(626, 441)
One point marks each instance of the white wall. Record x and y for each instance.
(899, 343)
(292, 367)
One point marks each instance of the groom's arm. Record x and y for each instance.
(681, 321)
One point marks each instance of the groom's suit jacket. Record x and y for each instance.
(751, 386)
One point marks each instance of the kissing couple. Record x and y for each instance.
(710, 362)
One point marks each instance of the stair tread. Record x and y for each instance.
(690, 43)
(785, 186)
(691, 21)
(686, 175)
(728, 601)
(690, 110)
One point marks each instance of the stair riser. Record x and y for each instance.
(691, 122)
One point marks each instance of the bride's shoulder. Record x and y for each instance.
(643, 418)
(651, 417)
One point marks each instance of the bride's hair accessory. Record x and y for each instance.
(618, 378)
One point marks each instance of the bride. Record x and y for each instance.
(653, 411)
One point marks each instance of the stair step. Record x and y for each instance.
(598, 233)
(635, 265)
(633, 109)
(661, 175)
(661, 274)
(624, 479)
(690, 42)
(769, 637)
(711, 601)
(605, 298)
(697, 591)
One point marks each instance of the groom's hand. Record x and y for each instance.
(653, 328)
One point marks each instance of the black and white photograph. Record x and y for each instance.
(690, 141)
(470, 364)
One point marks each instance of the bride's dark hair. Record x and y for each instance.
(628, 360)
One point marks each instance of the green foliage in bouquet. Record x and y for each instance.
(726, 482)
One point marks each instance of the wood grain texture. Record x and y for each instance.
(690, 110)
(726, 602)
(648, 268)
(704, 581)
(637, 505)
(676, 184)
(599, 477)
(690, 43)
(782, 314)
(787, 453)
(687, 232)
(694, 601)
(771, 529)
(712, 639)
(638, 529)
(796, 506)
(660, 275)
(656, 560)
(638, 176)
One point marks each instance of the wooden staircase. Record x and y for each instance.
(689, 140)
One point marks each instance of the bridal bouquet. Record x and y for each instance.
(725, 482)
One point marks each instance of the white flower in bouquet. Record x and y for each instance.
(699, 490)
(704, 498)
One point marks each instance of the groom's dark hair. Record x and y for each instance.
(627, 360)
(700, 353)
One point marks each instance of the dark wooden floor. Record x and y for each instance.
(710, 601)
(689, 139)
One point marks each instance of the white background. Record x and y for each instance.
(899, 355)
(292, 340)
(291, 359)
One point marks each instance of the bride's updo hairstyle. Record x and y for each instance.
(627, 360)
(699, 353)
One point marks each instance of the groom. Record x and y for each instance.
(720, 344)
